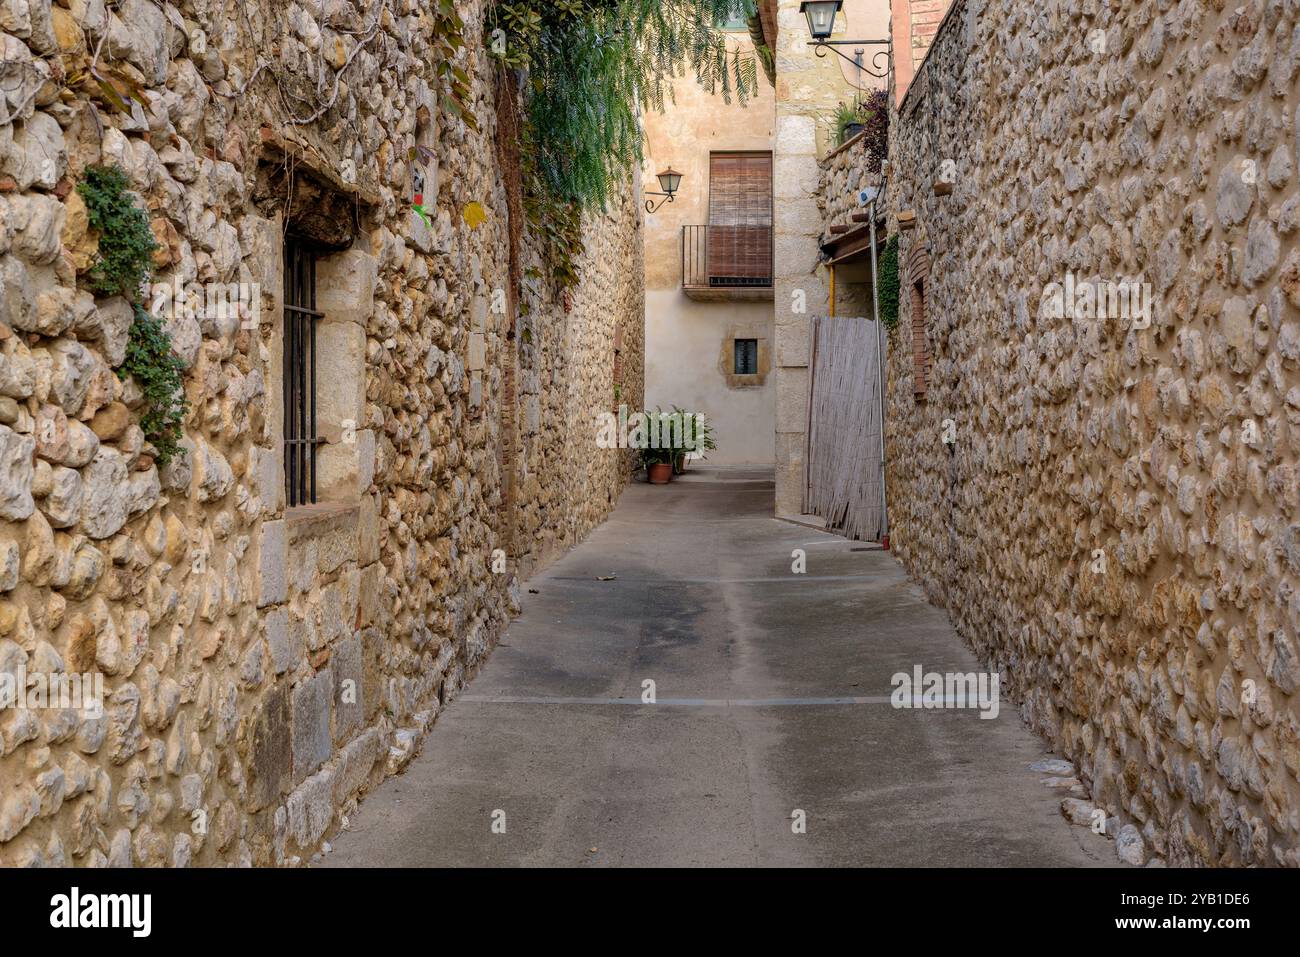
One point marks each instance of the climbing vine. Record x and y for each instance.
(557, 228)
(123, 266)
(126, 242)
(448, 38)
(160, 375)
(588, 67)
(889, 283)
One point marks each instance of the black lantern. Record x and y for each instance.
(669, 180)
(821, 16)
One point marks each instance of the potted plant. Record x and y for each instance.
(658, 465)
(847, 120)
(697, 436)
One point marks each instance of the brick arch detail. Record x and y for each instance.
(918, 264)
(918, 281)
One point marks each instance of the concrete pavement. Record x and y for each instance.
(772, 697)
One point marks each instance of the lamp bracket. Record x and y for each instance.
(651, 205)
(821, 46)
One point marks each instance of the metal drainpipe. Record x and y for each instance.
(880, 381)
(831, 268)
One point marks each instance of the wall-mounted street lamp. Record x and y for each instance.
(820, 15)
(669, 180)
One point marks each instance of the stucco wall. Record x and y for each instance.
(687, 365)
(1115, 524)
(686, 339)
(263, 666)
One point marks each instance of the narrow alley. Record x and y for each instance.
(749, 726)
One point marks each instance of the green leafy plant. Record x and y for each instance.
(158, 372)
(556, 226)
(448, 38)
(696, 436)
(591, 63)
(124, 265)
(888, 286)
(126, 243)
(660, 450)
(843, 118)
(656, 456)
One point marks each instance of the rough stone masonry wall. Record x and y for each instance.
(263, 665)
(842, 173)
(567, 374)
(1168, 670)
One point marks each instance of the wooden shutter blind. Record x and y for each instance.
(740, 219)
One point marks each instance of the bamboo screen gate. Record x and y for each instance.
(843, 472)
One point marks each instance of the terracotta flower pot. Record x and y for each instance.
(661, 473)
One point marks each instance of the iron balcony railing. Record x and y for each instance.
(722, 257)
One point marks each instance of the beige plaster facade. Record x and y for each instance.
(689, 351)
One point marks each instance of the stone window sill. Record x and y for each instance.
(305, 521)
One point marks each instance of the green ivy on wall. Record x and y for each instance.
(126, 243)
(123, 267)
(889, 286)
(160, 375)
(447, 38)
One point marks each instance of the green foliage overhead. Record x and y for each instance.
(158, 372)
(888, 287)
(126, 243)
(592, 64)
(556, 226)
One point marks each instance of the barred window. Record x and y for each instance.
(746, 358)
(300, 318)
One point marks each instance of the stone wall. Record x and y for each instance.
(843, 172)
(567, 364)
(1116, 521)
(264, 665)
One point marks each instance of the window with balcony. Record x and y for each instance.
(733, 251)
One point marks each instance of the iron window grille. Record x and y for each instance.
(300, 318)
(746, 357)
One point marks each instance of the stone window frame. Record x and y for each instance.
(918, 281)
(345, 281)
(727, 359)
(298, 371)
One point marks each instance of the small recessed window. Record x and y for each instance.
(746, 357)
(300, 318)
